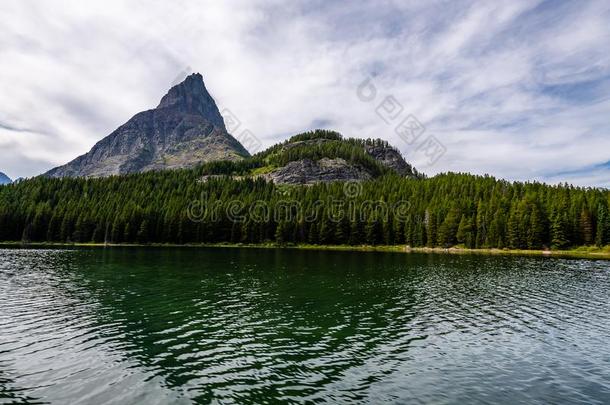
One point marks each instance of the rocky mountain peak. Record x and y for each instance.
(192, 97)
(185, 130)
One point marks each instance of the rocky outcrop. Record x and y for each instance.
(311, 142)
(307, 171)
(382, 152)
(184, 130)
(390, 157)
(4, 179)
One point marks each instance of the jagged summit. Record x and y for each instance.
(192, 97)
(184, 130)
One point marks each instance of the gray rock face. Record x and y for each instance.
(184, 130)
(307, 171)
(4, 179)
(391, 158)
(386, 155)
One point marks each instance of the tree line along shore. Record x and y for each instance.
(474, 212)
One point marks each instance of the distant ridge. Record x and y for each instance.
(184, 130)
(4, 179)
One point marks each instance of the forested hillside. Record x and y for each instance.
(178, 207)
(374, 157)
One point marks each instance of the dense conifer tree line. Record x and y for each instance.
(178, 207)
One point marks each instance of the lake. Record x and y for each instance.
(201, 325)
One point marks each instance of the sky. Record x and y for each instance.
(516, 89)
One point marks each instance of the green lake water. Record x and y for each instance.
(146, 326)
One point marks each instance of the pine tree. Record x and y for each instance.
(314, 234)
(431, 231)
(514, 233)
(535, 233)
(65, 229)
(448, 229)
(53, 232)
(481, 225)
(127, 233)
(559, 239)
(398, 232)
(355, 233)
(281, 233)
(117, 231)
(77, 235)
(586, 227)
(603, 226)
(418, 233)
(372, 231)
(245, 231)
(98, 233)
(143, 232)
(326, 231)
(386, 232)
(495, 236)
(465, 233)
(39, 223)
(341, 231)
(236, 232)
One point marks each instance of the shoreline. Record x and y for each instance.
(585, 252)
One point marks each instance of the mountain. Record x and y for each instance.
(184, 130)
(325, 156)
(4, 179)
(319, 156)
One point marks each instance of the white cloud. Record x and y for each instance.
(482, 76)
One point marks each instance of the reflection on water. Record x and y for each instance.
(259, 326)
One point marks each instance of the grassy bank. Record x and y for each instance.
(584, 252)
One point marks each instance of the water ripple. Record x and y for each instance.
(249, 326)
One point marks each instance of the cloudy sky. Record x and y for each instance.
(517, 89)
